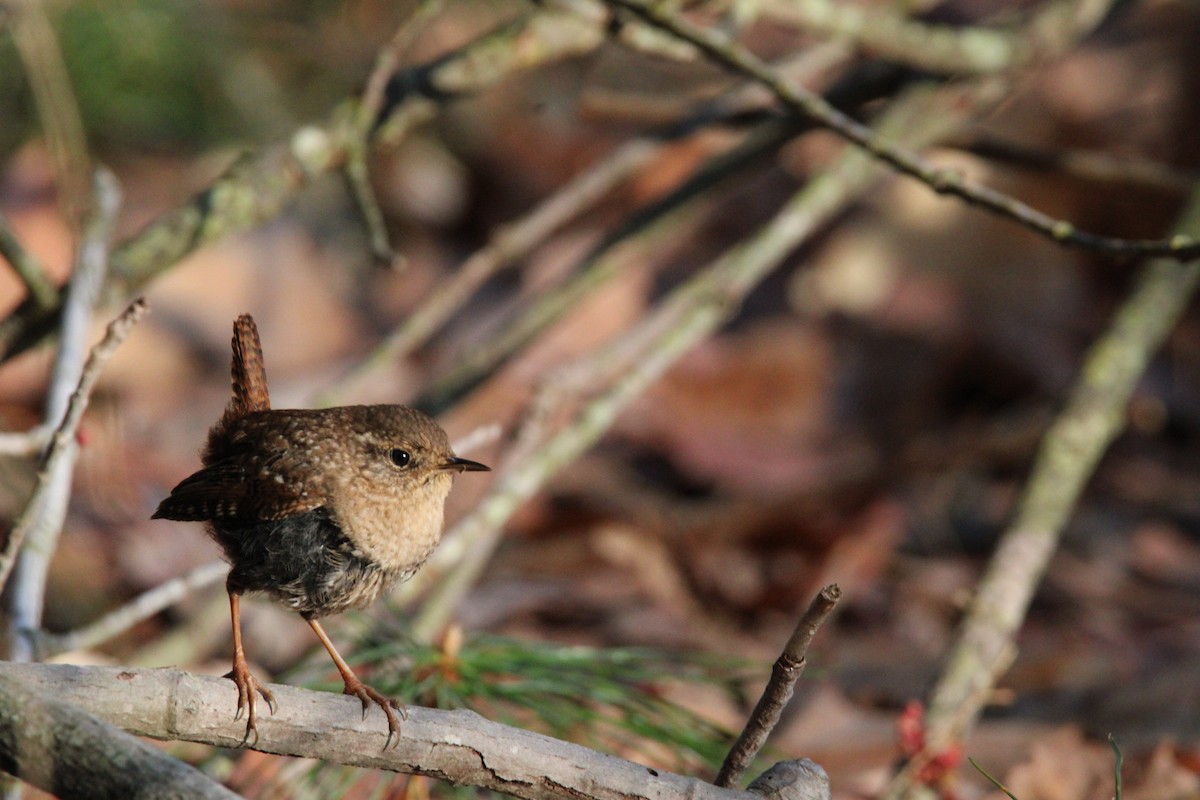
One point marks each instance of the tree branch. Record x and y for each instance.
(779, 688)
(256, 188)
(1094, 416)
(140, 608)
(741, 61)
(42, 293)
(63, 750)
(36, 533)
(118, 329)
(457, 746)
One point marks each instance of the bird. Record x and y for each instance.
(323, 510)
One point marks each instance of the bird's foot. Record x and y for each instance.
(392, 707)
(247, 686)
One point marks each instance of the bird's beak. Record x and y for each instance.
(463, 465)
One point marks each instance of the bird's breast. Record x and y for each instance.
(396, 528)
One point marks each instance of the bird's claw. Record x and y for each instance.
(247, 686)
(390, 707)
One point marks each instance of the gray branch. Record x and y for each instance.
(63, 750)
(457, 746)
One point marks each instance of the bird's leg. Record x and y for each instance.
(355, 686)
(247, 684)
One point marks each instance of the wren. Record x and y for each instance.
(324, 510)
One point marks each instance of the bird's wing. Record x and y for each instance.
(241, 488)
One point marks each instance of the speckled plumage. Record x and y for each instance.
(278, 483)
(322, 509)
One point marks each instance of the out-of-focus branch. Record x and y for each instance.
(140, 608)
(258, 186)
(689, 314)
(514, 241)
(57, 110)
(742, 62)
(70, 385)
(458, 746)
(606, 259)
(42, 292)
(1088, 165)
(374, 96)
(62, 441)
(1094, 415)
(63, 750)
(888, 31)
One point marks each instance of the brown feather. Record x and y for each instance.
(247, 370)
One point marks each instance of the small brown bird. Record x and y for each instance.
(324, 510)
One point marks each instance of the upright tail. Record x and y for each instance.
(248, 372)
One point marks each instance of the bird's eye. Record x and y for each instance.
(400, 457)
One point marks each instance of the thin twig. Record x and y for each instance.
(358, 146)
(60, 443)
(41, 291)
(1094, 415)
(513, 241)
(142, 607)
(741, 61)
(64, 435)
(258, 187)
(26, 443)
(778, 691)
(47, 509)
(50, 83)
(690, 313)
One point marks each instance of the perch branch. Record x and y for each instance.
(458, 746)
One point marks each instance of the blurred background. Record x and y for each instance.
(867, 415)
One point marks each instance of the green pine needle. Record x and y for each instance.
(992, 780)
(600, 697)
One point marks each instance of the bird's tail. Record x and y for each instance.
(249, 374)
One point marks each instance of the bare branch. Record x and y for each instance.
(70, 386)
(779, 688)
(142, 607)
(742, 62)
(62, 749)
(41, 291)
(458, 746)
(1094, 415)
(63, 437)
